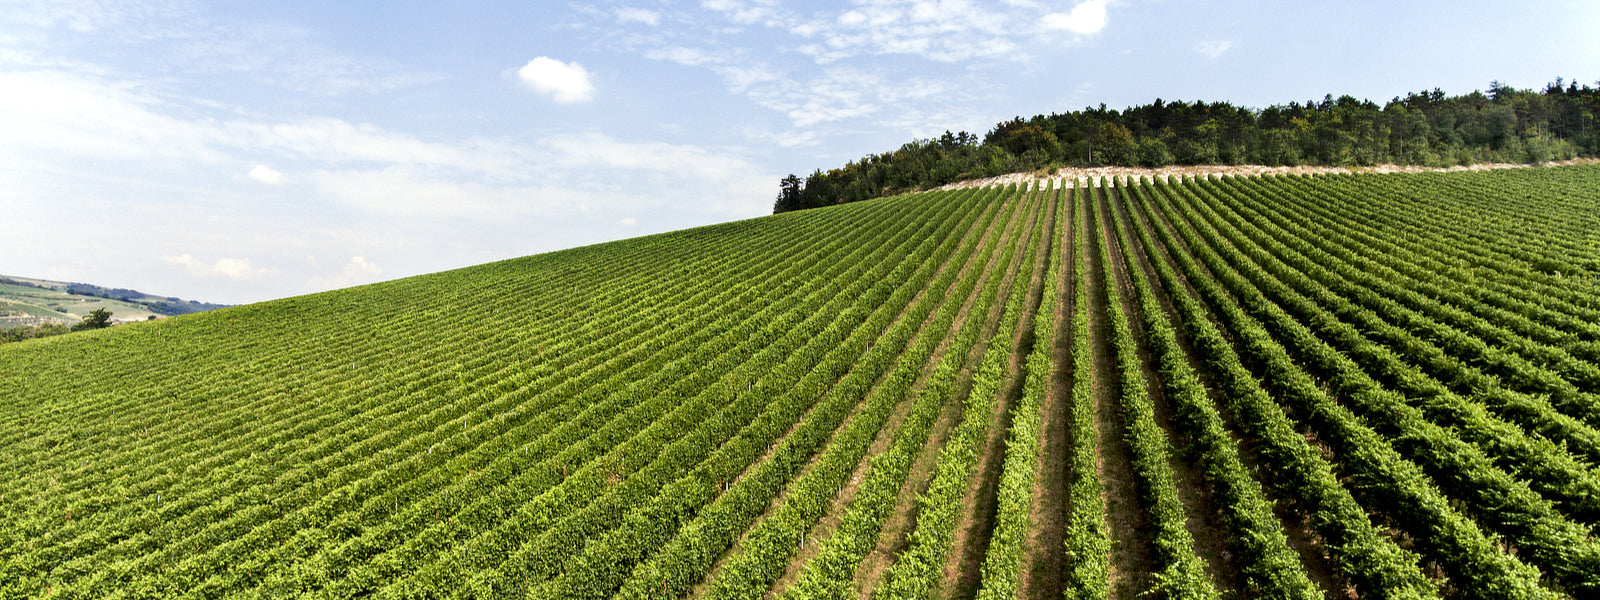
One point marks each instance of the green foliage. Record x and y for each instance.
(100, 318)
(830, 573)
(1017, 138)
(1153, 153)
(1405, 366)
(1178, 571)
(1088, 545)
(919, 569)
(28, 332)
(1113, 144)
(1423, 128)
(1003, 562)
(1388, 479)
(1270, 568)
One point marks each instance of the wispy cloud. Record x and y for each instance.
(1213, 49)
(940, 30)
(736, 68)
(232, 268)
(92, 134)
(1080, 93)
(751, 12)
(565, 83)
(276, 54)
(842, 93)
(839, 78)
(631, 14)
(86, 116)
(357, 271)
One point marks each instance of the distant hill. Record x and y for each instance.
(27, 301)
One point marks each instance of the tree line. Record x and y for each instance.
(100, 318)
(1423, 128)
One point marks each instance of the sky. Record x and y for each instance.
(237, 151)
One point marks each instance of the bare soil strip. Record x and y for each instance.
(1126, 521)
(836, 510)
(1091, 176)
(1202, 519)
(897, 528)
(1043, 558)
(1306, 543)
(973, 532)
(901, 409)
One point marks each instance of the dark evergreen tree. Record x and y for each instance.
(788, 195)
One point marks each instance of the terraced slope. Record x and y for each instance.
(1380, 386)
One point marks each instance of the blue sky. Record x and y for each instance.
(240, 151)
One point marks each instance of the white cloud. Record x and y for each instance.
(44, 112)
(336, 141)
(842, 93)
(56, 113)
(357, 271)
(598, 150)
(749, 12)
(183, 186)
(565, 83)
(638, 15)
(238, 269)
(689, 57)
(76, 16)
(156, 167)
(1088, 17)
(360, 267)
(737, 70)
(83, 117)
(1213, 49)
(794, 138)
(834, 94)
(939, 30)
(267, 175)
(410, 191)
(196, 42)
(971, 36)
(1081, 94)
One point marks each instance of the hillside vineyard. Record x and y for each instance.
(1332, 386)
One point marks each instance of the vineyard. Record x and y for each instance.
(1330, 386)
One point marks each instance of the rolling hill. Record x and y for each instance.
(26, 301)
(1331, 386)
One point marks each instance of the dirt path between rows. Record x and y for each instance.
(896, 532)
(1126, 522)
(1043, 557)
(831, 519)
(1201, 518)
(975, 529)
(1296, 525)
(901, 407)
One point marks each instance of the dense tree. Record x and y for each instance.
(788, 195)
(99, 319)
(1423, 128)
(17, 334)
(1019, 137)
